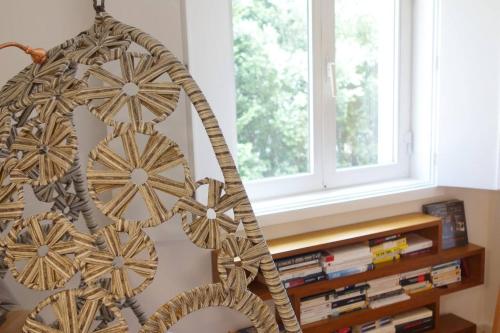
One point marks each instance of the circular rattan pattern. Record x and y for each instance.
(159, 155)
(99, 45)
(238, 262)
(206, 224)
(138, 87)
(48, 255)
(46, 151)
(5, 128)
(11, 195)
(70, 205)
(58, 97)
(120, 258)
(16, 93)
(211, 295)
(77, 311)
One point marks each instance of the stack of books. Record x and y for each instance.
(298, 270)
(386, 249)
(419, 320)
(385, 291)
(316, 307)
(417, 244)
(383, 325)
(349, 299)
(416, 281)
(446, 273)
(346, 260)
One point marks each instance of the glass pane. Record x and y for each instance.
(271, 51)
(365, 38)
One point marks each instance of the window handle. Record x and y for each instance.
(331, 77)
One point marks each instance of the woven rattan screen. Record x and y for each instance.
(39, 149)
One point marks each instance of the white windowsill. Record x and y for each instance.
(329, 202)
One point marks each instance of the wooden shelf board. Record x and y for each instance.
(450, 323)
(311, 241)
(385, 269)
(359, 317)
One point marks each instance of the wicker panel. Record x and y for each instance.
(99, 45)
(210, 296)
(46, 151)
(49, 255)
(57, 98)
(77, 311)
(138, 88)
(11, 195)
(45, 158)
(205, 230)
(160, 154)
(120, 258)
(238, 263)
(16, 93)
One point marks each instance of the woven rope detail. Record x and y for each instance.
(46, 151)
(11, 196)
(77, 311)
(211, 296)
(97, 264)
(238, 263)
(50, 270)
(160, 154)
(99, 45)
(204, 230)
(140, 72)
(57, 98)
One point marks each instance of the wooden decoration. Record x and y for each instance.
(38, 148)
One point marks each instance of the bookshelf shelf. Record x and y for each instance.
(425, 225)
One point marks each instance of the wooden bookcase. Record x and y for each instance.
(427, 226)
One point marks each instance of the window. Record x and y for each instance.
(321, 93)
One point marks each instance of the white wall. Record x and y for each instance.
(181, 264)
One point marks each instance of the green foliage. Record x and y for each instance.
(271, 50)
(357, 89)
(271, 56)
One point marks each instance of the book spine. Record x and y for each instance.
(302, 264)
(416, 279)
(297, 259)
(376, 241)
(348, 301)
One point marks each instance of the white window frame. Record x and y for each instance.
(323, 173)
(212, 66)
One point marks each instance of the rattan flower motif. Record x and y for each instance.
(5, 128)
(52, 191)
(46, 151)
(101, 44)
(11, 195)
(139, 88)
(58, 97)
(70, 205)
(16, 93)
(137, 175)
(77, 311)
(210, 221)
(238, 262)
(120, 258)
(48, 256)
